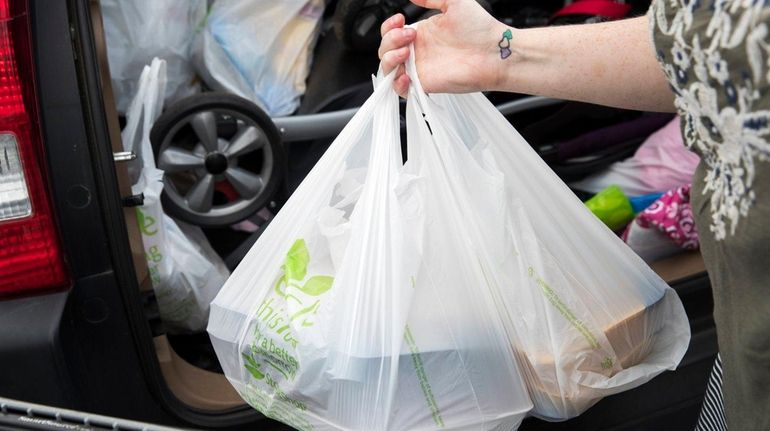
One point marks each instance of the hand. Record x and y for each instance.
(456, 51)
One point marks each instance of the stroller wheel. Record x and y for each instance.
(222, 158)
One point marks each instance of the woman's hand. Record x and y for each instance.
(456, 50)
(462, 49)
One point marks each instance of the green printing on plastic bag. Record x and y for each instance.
(422, 377)
(274, 341)
(568, 314)
(295, 269)
(271, 351)
(147, 224)
(281, 407)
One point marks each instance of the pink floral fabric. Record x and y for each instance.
(672, 215)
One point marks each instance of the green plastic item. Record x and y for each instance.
(612, 207)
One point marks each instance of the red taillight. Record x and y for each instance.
(31, 260)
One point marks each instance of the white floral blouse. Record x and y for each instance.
(723, 102)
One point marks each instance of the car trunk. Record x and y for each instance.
(193, 395)
(184, 369)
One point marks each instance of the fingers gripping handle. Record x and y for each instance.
(416, 87)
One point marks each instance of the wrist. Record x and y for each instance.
(529, 63)
(501, 56)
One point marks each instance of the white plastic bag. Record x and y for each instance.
(586, 316)
(136, 31)
(331, 321)
(425, 296)
(185, 272)
(259, 49)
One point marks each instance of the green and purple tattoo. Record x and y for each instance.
(505, 44)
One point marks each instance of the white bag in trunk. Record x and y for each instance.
(184, 270)
(259, 49)
(136, 31)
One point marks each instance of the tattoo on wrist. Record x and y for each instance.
(505, 44)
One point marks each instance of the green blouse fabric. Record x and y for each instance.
(716, 56)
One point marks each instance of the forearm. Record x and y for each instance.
(608, 64)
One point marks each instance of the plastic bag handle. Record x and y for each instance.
(152, 106)
(423, 102)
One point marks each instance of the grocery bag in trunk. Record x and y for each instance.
(259, 49)
(136, 31)
(585, 315)
(186, 273)
(334, 321)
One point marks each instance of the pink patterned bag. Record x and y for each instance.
(665, 227)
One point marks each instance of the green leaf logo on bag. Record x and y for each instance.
(297, 259)
(253, 367)
(295, 270)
